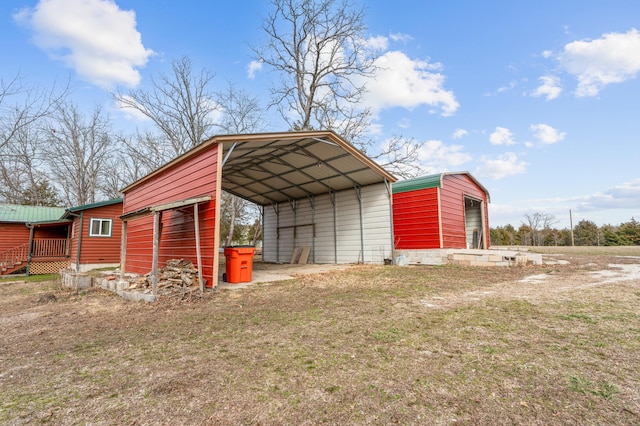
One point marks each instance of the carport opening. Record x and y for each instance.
(474, 230)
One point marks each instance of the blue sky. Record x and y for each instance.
(538, 100)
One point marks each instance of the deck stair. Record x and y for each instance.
(13, 259)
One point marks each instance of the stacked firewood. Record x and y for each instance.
(179, 276)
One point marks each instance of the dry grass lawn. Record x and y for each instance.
(369, 345)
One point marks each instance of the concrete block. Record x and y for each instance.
(121, 285)
(135, 296)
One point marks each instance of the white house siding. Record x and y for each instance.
(342, 237)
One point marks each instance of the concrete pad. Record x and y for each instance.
(271, 272)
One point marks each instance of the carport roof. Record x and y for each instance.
(268, 168)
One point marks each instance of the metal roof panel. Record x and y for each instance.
(26, 214)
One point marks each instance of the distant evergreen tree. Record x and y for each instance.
(503, 235)
(586, 233)
(41, 194)
(630, 232)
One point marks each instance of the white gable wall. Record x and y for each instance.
(343, 237)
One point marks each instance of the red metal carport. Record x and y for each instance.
(173, 211)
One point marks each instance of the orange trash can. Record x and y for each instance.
(239, 263)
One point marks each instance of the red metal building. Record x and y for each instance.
(445, 210)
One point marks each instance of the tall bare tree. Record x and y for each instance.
(23, 170)
(317, 47)
(241, 113)
(77, 152)
(180, 107)
(22, 111)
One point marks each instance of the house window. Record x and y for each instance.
(100, 227)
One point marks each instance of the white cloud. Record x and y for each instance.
(253, 68)
(501, 166)
(613, 58)
(625, 196)
(378, 43)
(501, 136)
(94, 37)
(547, 134)
(400, 37)
(459, 133)
(403, 82)
(435, 156)
(550, 87)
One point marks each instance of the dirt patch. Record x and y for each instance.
(552, 344)
(567, 274)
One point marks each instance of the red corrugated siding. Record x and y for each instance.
(454, 188)
(193, 177)
(98, 249)
(13, 235)
(415, 219)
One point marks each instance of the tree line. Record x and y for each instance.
(537, 230)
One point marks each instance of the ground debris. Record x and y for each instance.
(46, 298)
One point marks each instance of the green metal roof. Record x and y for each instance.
(424, 182)
(431, 181)
(94, 205)
(17, 213)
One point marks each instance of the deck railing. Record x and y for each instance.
(13, 256)
(50, 247)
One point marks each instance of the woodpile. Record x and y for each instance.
(178, 278)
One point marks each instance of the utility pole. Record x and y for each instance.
(571, 229)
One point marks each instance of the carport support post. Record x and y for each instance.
(123, 250)
(335, 227)
(196, 220)
(393, 244)
(359, 194)
(312, 201)
(294, 208)
(276, 209)
(157, 218)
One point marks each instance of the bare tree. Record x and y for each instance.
(317, 47)
(22, 111)
(142, 153)
(22, 170)
(22, 107)
(540, 226)
(180, 107)
(241, 113)
(77, 152)
(400, 157)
